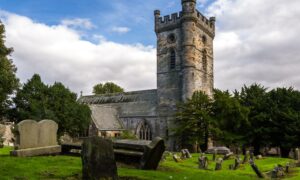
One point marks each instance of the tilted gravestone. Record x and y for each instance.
(255, 169)
(185, 154)
(36, 138)
(227, 156)
(219, 164)
(153, 154)
(98, 160)
(246, 157)
(203, 162)
(176, 158)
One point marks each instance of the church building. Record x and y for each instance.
(184, 65)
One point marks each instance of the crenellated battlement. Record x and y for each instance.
(163, 23)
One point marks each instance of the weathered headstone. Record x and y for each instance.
(219, 164)
(214, 155)
(185, 154)
(36, 138)
(237, 162)
(259, 157)
(176, 158)
(152, 154)
(227, 156)
(287, 167)
(252, 155)
(246, 157)
(255, 169)
(98, 160)
(297, 154)
(277, 172)
(203, 162)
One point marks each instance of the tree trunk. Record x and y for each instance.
(256, 147)
(285, 152)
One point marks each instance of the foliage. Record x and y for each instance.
(254, 97)
(284, 109)
(38, 101)
(68, 167)
(127, 135)
(8, 80)
(194, 120)
(231, 118)
(107, 88)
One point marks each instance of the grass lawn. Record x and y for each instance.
(67, 167)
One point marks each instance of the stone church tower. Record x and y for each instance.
(184, 58)
(184, 65)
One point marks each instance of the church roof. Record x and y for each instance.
(106, 118)
(133, 96)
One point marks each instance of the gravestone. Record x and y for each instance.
(36, 138)
(237, 162)
(152, 154)
(246, 157)
(278, 172)
(227, 156)
(251, 155)
(214, 155)
(98, 160)
(203, 162)
(176, 158)
(255, 169)
(185, 154)
(297, 154)
(219, 164)
(259, 157)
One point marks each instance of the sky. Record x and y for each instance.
(81, 43)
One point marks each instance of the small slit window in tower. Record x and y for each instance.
(172, 59)
(204, 60)
(204, 39)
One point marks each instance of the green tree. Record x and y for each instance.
(254, 97)
(231, 118)
(284, 108)
(8, 80)
(194, 121)
(38, 101)
(107, 88)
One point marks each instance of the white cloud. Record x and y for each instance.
(256, 41)
(58, 53)
(120, 30)
(78, 23)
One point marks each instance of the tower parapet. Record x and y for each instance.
(167, 22)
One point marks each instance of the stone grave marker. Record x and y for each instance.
(152, 154)
(277, 172)
(36, 138)
(237, 162)
(297, 154)
(219, 164)
(98, 160)
(214, 155)
(176, 158)
(203, 162)
(255, 169)
(246, 157)
(252, 155)
(227, 156)
(185, 154)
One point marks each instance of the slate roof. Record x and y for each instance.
(106, 118)
(133, 96)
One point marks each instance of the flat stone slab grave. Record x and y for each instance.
(36, 138)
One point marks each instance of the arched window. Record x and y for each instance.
(144, 131)
(172, 59)
(204, 60)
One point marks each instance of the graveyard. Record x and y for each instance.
(69, 167)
